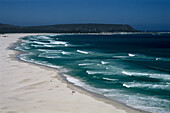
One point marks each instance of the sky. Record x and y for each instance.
(150, 15)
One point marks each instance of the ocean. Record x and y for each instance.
(133, 69)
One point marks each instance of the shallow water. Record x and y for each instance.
(131, 68)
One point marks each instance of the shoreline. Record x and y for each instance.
(98, 97)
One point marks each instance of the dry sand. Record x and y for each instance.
(28, 88)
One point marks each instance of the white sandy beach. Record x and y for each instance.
(29, 88)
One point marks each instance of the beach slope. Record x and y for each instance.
(28, 88)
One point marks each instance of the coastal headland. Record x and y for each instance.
(68, 28)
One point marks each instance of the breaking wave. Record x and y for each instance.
(136, 76)
(84, 52)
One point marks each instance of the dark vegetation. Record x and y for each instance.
(67, 28)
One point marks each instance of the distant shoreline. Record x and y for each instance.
(68, 28)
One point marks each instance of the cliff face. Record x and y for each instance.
(67, 28)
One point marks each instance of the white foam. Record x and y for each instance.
(84, 52)
(146, 85)
(110, 79)
(105, 90)
(65, 53)
(78, 82)
(49, 56)
(157, 58)
(98, 72)
(50, 51)
(23, 44)
(19, 48)
(37, 42)
(74, 80)
(91, 72)
(125, 85)
(131, 55)
(126, 73)
(43, 37)
(24, 58)
(54, 34)
(58, 42)
(120, 57)
(27, 41)
(102, 62)
(123, 33)
(167, 83)
(136, 73)
(152, 75)
(85, 64)
(41, 49)
(27, 47)
(34, 45)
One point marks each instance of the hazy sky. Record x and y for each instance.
(141, 14)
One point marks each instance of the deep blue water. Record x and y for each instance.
(133, 69)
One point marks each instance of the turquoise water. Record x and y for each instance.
(133, 69)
